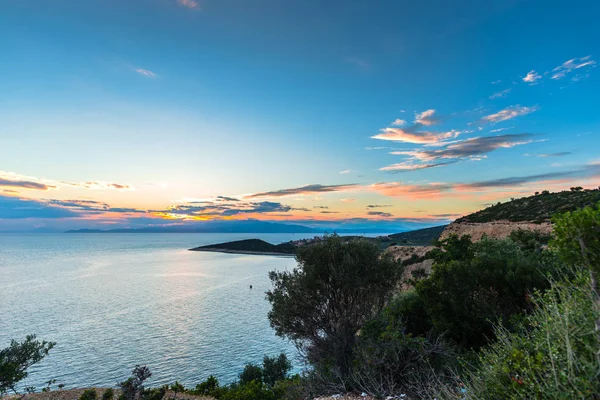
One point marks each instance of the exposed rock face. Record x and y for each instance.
(493, 230)
(404, 253)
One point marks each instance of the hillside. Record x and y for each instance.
(419, 237)
(537, 208)
(248, 245)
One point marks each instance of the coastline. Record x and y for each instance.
(245, 252)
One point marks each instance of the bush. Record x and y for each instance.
(133, 386)
(108, 394)
(210, 387)
(17, 358)
(335, 289)
(88, 394)
(275, 369)
(475, 286)
(251, 373)
(389, 361)
(552, 356)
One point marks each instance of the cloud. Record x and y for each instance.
(358, 62)
(572, 65)
(399, 122)
(225, 198)
(91, 206)
(406, 166)
(380, 214)
(329, 212)
(191, 4)
(99, 185)
(303, 190)
(379, 205)
(347, 200)
(25, 184)
(426, 118)
(417, 192)
(145, 72)
(559, 154)
(469, 148)
(322, 207)
(346, 171)
(500, 94)
(12, 207)
(496, 82)
(411, 135)
(509, 113)
(500, 129)
(532, 77)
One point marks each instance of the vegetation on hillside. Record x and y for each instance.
(537, 208)
(419, 237)
(255, 245)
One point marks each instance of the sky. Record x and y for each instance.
(136, 113)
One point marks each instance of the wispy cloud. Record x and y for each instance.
(379, 205)
(359, 63)
(346, 171)
(145, 72)
(572, 65)
(500, 94)
(380, 214)
(559, 154)
(509, 113)
(303, 190)
(532, 77)
(99, 185)
(399, 122)
(191, 4)
(411, 135)
(496, 82)
(469, 148)
(23, 184)
(219, 208)
(412, 166)
(501, 129)
(426, 118)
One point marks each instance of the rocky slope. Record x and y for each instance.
(494, 229)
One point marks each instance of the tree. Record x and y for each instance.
(132, 388)
(473, 287)
(577, 240)
(275, 369)
(17, 358)
(251, 373)
(322, 304)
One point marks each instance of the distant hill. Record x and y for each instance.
(537, 208)
(419, 237)
(246, 226)
(249, 245)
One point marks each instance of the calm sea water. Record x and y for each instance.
(112, 301)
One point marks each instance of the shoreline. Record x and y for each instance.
(245, 252)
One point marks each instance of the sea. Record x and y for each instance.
(113, 301)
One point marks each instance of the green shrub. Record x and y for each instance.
(88, 394)
(134, 386)
(335, 289)
(552, 356)
(177, 387)
(108, 394)
(210, 387)
(275, 369)
(475, 286)
(251, 373)
(17, 358)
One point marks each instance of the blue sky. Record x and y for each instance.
(425, 108)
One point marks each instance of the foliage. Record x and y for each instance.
(530, 240)
(419, 237)
(577, 237)
(108, 394)
(252, 245)
(537, 208)
(251, 373)
(474, 286)
(210, 387)
(177, 387)
(275, 369)
(88, 394)
(389, 361)
(17, 358)
(133, 386)
(552, 356)
(324, 302)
